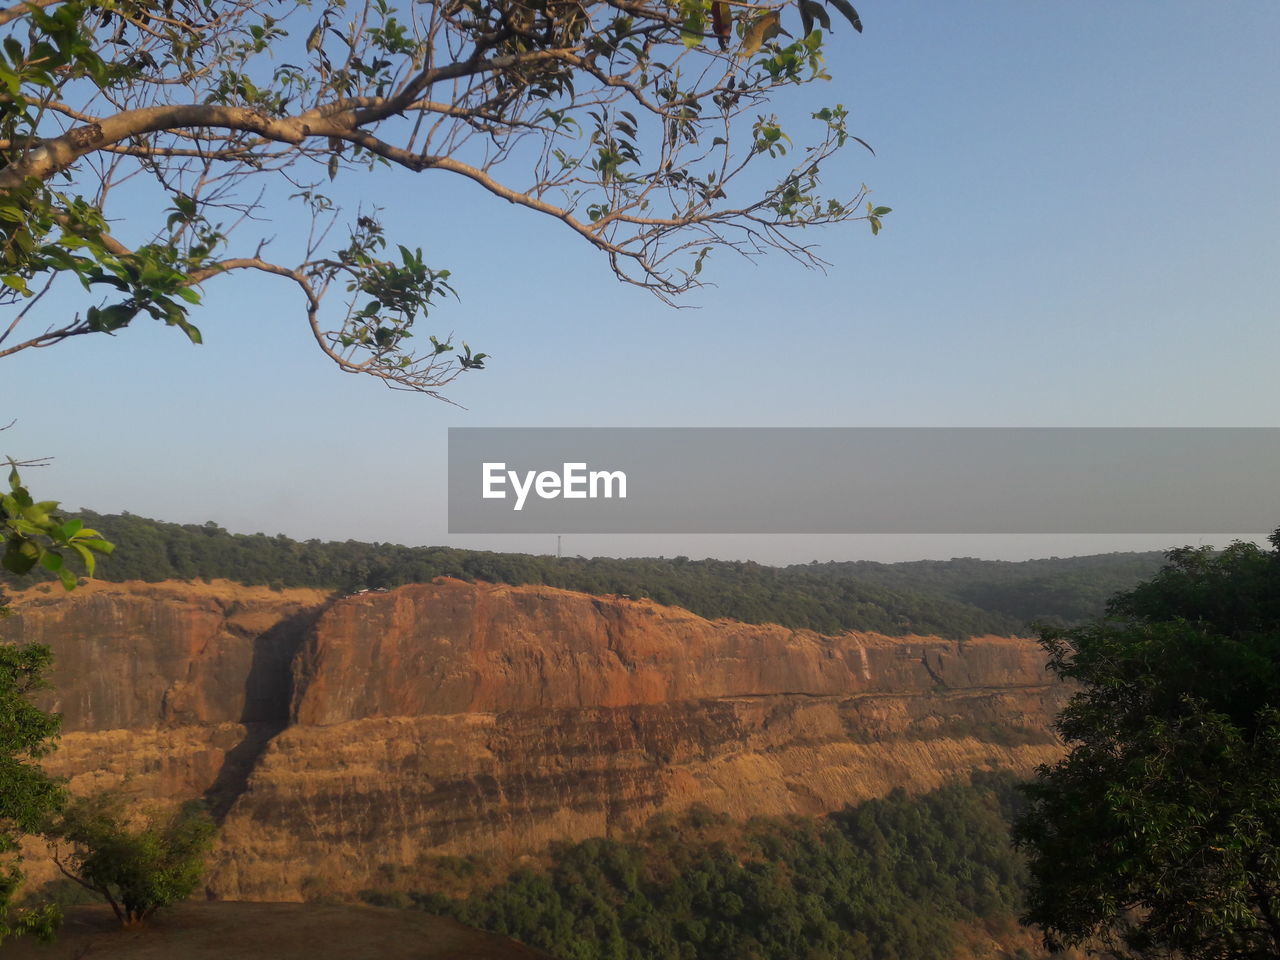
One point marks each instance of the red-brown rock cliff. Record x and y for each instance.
(337, 738)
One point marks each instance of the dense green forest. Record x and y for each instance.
(952, 598)
(888, 879)
(1057, 591)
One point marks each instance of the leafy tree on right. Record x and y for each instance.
(1159, 833)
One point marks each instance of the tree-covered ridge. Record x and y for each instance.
(954, 598)
(889, 879)
(1056, 591)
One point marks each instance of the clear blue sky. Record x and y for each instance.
(1084, 234)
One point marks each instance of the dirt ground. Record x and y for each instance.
(269, 931)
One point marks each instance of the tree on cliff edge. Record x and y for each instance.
(1159, 833)
(642, 126)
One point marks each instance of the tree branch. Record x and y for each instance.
(22, 9)
(58, 153)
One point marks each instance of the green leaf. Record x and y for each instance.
(190, 329)
(815, 12)
(16, 53)
(17, 561)
(90, 562)
(109, 319)
(850, 14)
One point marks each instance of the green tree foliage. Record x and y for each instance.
(136, 869)
(36, 538)
(27, 795)
(143, 142)
(885, 880)
(1159, 833)
(925, 598)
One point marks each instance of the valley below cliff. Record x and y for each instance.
(342, 738)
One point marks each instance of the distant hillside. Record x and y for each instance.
(1060, 590)
(950, 598)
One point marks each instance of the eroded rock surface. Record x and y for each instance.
(342, 737)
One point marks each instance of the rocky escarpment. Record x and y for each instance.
(374, 732)
(172, 686)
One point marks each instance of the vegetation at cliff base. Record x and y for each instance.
(953, 598)
(888, 879)
(137, 868)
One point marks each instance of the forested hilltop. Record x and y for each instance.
(953, 598)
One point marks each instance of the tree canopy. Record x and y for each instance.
(1159, 833)
(144, 142)
(889, 879)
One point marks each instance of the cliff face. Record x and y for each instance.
(135, 656)
(169, 685)
(377, 731)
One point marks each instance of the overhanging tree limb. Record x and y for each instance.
(610, 116)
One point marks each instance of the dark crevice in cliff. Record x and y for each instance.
(268, 689)
(933, 674)
(237, 766)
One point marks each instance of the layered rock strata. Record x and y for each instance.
(338, 739)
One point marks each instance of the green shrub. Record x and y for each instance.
(136, 869)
